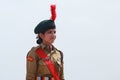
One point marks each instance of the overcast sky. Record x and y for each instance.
(88, 33)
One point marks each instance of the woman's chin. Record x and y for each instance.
(51, 42)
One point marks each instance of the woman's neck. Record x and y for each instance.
(47, 44)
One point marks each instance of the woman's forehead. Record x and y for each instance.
(51, 30)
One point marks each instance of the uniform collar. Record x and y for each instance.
(50, 48)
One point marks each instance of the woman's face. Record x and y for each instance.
(49, 36)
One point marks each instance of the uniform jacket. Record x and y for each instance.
(36, 66)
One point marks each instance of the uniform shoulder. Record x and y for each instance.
(57, 49)
(32, 50)
(61, 53)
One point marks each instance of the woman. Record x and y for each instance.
(45, 62)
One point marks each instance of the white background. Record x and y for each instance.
(88, 32)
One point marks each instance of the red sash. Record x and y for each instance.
(49, 63)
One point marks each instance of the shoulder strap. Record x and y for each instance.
(49, 63)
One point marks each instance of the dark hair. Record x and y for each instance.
(39, 40)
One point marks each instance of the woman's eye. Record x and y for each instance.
(51, 32)
(54, 32)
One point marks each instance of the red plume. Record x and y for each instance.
(53, 12)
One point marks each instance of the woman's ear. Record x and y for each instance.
(41, 35)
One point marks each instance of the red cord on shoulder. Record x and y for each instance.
(53, 12)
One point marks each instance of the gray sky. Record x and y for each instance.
(88, 33)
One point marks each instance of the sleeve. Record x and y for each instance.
(62, 73)
(31, 65)
(62, 68)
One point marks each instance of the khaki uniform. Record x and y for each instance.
(36, 66)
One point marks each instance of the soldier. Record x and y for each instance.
(45, 62)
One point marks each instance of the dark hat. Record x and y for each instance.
(44, 26)
(47, 24)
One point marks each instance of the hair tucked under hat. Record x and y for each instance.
(45, 25)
